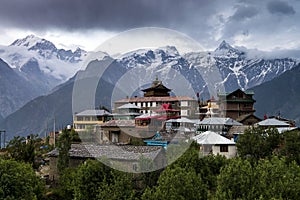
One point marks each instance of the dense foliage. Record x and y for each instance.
(18, 181)
(268, 179)
(258, 143)
(267, 168)
(64, 145)
(27, 150)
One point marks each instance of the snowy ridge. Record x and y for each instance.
(227, 68)
(56, 64)
(42, 66)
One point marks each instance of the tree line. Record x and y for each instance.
(268, 167)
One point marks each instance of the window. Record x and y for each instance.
(79, 118)
(135, 167)
(101, 136)
(115, 136)
(184, 103)
(223, 148)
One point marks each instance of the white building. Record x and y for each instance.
(213, 143)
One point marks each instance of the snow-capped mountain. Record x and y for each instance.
(227, 68)
(15, 90)
(237, 69)
(42, 65)
(48, 50)
(56, 63)
(186, 74)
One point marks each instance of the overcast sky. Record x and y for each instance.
(261, 24)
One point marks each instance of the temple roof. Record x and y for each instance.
(156, 99)
(156, 89)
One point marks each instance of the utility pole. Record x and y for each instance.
(54, 133)
(2, 131)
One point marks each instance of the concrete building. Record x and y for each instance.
(88, 118)
(213, 143)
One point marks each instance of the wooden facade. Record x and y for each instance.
(157, 89)
(236, 104)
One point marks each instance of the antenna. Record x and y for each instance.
(54, 134)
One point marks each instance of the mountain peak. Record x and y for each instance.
(32, 42)
(171, 50)
(226, 50)
(224, 46)
(28, 41)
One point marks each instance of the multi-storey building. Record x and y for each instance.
(236, 104)
(157, 95)
(89, 118)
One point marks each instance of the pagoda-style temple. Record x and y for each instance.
(157, 89)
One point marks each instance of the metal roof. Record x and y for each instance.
(146, 115)
(128, 106)
(209, 137)
(181, 120)
(219, 121)
(93, 113)
(156, 99)
(119, 123)
(272, 122)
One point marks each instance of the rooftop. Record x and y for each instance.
(272, 122)
(248, 92)
(93, 113)
(219, 121)
(119, 123)
(111, 151)
(129, 106)
(209, 137)
(155, 99)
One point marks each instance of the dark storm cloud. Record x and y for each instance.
(280, 7)
(244, 12)
(105, 14)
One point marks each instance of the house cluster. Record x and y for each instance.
(158, 119)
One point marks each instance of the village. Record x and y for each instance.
(155, 145)
(146, 126)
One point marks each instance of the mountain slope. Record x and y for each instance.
(280, 95)
(237, 69)
(41, 65)
(15, 90)
(186, 74)
(56, 106)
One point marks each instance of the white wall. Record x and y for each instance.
(184, 103)
(230, 154)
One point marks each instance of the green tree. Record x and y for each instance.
(267, 179)
(257, 143)
(177, 183)
(208, 167)
(237, 180)
(291, 144)
(24, 150)
(63, 146)
(175, 151)
(18, 181)
(278, 179)
(74, 136)
(119, 187)
(66, 184)
(89, 178)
